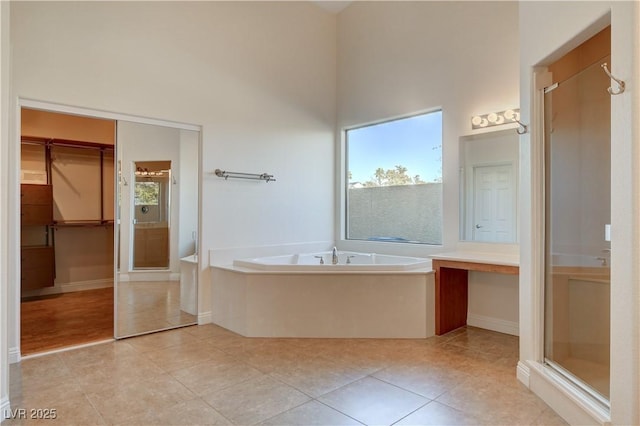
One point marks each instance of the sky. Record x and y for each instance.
(414, 142)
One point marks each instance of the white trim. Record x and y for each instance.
(90, 112)
(5, 408)
(494, 324)
(570, 402)
(140, 275)
(523, 373)
(14, 355)
(205, 318)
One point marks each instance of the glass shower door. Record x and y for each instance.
(577, 247)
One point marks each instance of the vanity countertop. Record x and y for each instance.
(507, 259)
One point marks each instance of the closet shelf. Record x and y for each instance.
(81, 223)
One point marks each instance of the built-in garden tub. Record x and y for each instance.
(372, 295)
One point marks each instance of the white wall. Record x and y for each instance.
(4, 167)
(258, 76)
(566, 25)
(397, 58)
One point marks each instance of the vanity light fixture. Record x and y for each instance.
(495, 118)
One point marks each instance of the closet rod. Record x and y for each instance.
(34, 140)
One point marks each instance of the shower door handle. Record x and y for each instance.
(478, 226)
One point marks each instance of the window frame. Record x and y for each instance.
(343, 232)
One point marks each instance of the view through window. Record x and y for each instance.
(394, 180)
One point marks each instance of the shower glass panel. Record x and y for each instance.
(577, 246)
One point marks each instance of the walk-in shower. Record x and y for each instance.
(577, 204)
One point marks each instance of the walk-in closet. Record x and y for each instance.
(67, 229)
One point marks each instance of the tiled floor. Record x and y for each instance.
(208, 375)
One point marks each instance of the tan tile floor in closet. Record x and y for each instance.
(208, 375)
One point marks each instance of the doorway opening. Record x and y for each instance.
(67, 165)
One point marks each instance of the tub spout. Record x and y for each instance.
(334, 256)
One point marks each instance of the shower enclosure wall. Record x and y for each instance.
(577, 253)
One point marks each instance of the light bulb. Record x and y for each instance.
(509, 114)
(476, 120)
(493, 117)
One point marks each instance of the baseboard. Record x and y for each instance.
(523, 374)
(133, 276)
(205, 318)
(14, 355)
(71, 287)
(5, 408)
(494, 324)
(566, 399)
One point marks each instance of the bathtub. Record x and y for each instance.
(374, 296)
(348, 262)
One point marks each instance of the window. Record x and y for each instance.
(147, 193)
(394, 180)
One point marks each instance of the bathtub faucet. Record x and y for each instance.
(334, 256)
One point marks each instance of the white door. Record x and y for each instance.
(494, 203)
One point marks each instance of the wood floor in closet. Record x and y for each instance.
(67, 319)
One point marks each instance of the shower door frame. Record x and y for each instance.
(556, 365)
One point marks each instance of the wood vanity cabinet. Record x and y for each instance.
(37, 262)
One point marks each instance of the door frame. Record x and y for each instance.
(13, 208)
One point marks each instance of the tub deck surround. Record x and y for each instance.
(451, 283)
(272, 297)
(348, 262)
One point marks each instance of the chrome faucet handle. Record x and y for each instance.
(321, 259)
(349, 259)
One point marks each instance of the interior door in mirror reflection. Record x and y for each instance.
(494, 203)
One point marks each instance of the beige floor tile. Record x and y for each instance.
(549, 418)
(255, 400)
(97, 355)
(495, 400)
(115, 374)
(192, 412)
(40, 371)
(317, 376)
(469, 372)
(70, 411)
(212, 376)
(45, 396)
(435, 413)
(426, 380)
(136, 398)
(373, 402)
(185, 356)
(312, 413)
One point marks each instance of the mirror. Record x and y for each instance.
(489, 187)
(156, 279)
(151, 206)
